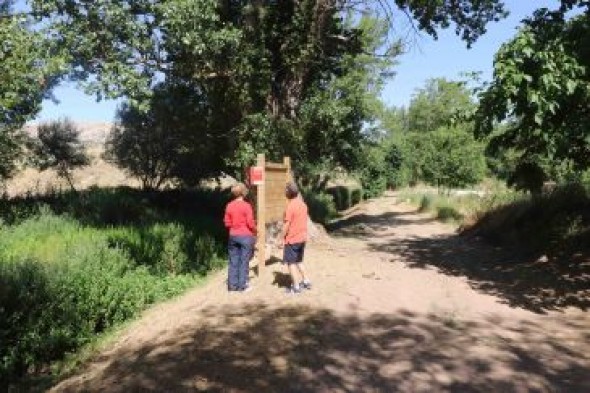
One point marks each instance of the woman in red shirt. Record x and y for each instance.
(239, 220)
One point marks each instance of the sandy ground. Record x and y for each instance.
(400, 303)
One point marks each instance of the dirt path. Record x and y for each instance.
(399, 304)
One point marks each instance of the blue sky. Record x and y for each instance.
(425, 59)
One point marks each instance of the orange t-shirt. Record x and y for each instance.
(296, 218)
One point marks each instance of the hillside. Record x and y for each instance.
(99, 172)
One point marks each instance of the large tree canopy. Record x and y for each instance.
(59, 147)
(541, 90)
(433, 137)
(29, 68)
(284, 77)
(28, 65)
(161, 145)
(440, 103)
(127, 45)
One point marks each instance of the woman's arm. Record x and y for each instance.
(227, 221)
(250, 222)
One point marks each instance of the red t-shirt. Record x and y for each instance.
(239, 218)
(296, 218)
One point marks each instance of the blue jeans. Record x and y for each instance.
(240, 249)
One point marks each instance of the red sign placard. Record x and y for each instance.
(256, 175)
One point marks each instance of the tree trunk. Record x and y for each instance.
(68, 176)
(288, 84)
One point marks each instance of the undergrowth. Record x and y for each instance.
(75, 265)
(556, 223)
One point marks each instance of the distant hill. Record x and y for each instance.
(98, 173)
(92, 133)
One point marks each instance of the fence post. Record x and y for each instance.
(287, 163)
(261, 215)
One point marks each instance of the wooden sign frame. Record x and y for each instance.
(270, 200)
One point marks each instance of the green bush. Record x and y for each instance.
(345, 197)
(448, 213)
(169, 248)
(62, 282)
(585, 180)
(527, 176)
(109, 207)
(356, 196)
(426, 203)
(394, 159)
(22, 287)
(386, 165)
(321, 206)
(453, 158)
(373, 174)
(48, 310)
(12, 213)
(341, 197)
(448, 157)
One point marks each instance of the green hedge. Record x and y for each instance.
(345, 197)
(321, 206)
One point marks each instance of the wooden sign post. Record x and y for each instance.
(270, 198)
(261, 216)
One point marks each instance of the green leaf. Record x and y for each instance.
(571, 86)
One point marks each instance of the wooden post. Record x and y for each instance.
(261, 215)
(287, 163)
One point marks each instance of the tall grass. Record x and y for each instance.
(458, 209)
(73, 266)
(553, 223)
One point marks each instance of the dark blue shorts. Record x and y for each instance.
(293, 253)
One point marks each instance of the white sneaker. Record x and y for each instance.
(305, 285)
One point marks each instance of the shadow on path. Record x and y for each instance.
(363, 226)
(254, 348)
(518, 280)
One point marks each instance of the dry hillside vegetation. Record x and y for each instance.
(98, 173)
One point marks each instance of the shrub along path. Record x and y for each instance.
(400, 303)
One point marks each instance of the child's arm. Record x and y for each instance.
(286, 225)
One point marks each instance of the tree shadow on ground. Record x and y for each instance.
(281, 280)
(519, 280)
(364, 226)
(272, 261)
(256, 348)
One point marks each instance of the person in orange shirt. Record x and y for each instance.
(294, 238)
